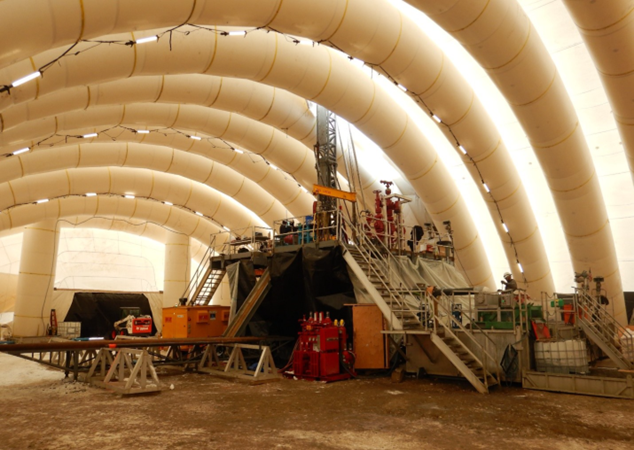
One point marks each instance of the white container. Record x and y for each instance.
(69, 330)
(567, 356)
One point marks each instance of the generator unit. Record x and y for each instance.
(195, 321)
(321, 352)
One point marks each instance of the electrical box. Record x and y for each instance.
(370, 345)
(195, 321)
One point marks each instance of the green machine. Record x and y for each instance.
(505, 311)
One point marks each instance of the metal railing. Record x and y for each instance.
(199, 274)
(445, 306)
(300, 230)
(590, 311)
(248, 239)
(397, 236)
(379, 259)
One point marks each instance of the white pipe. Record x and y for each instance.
(35, 282)
(500, 36)
(275, 107)
(377, 115)
(177, 261)
(151, 157)
(297, 160)
(132, 182)
(108, 207)
(252, 166)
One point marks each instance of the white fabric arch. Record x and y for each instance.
(151, 157)
(144, 183)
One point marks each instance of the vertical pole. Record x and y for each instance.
(36, 278)
(177, 268)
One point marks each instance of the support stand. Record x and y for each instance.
(131, 372)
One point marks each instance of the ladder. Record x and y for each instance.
(250, 306)
(205, 291)
(468, 355)
(416, 312)
(603, 329)
(386, 292)
(205, 281)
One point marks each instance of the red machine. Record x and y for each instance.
(321, 352)
(133, 326)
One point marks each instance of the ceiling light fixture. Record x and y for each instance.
(29, 77)
(146, 39)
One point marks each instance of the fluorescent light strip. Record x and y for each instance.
(486, 188)
(29, 77)
(239, 151)
(226, 229)
(91, 194)
(436, 118)
(505, 227)
(44, 200)
(146, 39)
(90, 135)
(198, 213)
(520, 266)
(22, 150)
(402, 88)
(237, 33)
(462, 149)
(168, 203)
(143, 131)
(196, 138)
(129, 196)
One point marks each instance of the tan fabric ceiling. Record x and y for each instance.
(96, 86)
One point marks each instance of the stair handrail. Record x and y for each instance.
(199, 272)
(362, 241)
(474, 325)
(468, 332)
(591, 312)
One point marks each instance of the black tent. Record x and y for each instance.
(98, 311)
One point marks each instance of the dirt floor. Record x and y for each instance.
(202, 412)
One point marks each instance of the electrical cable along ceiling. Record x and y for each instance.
(180, 68)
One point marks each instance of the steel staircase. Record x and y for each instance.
(206, 290)
(205, 281)
(416, 312)
(602, 329)
(474, 360)
(387, 289)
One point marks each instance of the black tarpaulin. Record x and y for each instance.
(98, 311)
(246, 281)
(310, 280)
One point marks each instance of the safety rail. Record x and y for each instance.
(323, 226)
(199, 274)
(248, 239)
(397, 236)
(590, 311)
(444, 305)
(381, 270)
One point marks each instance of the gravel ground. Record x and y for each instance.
(41, 410)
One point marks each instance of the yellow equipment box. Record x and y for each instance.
(195, 321)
